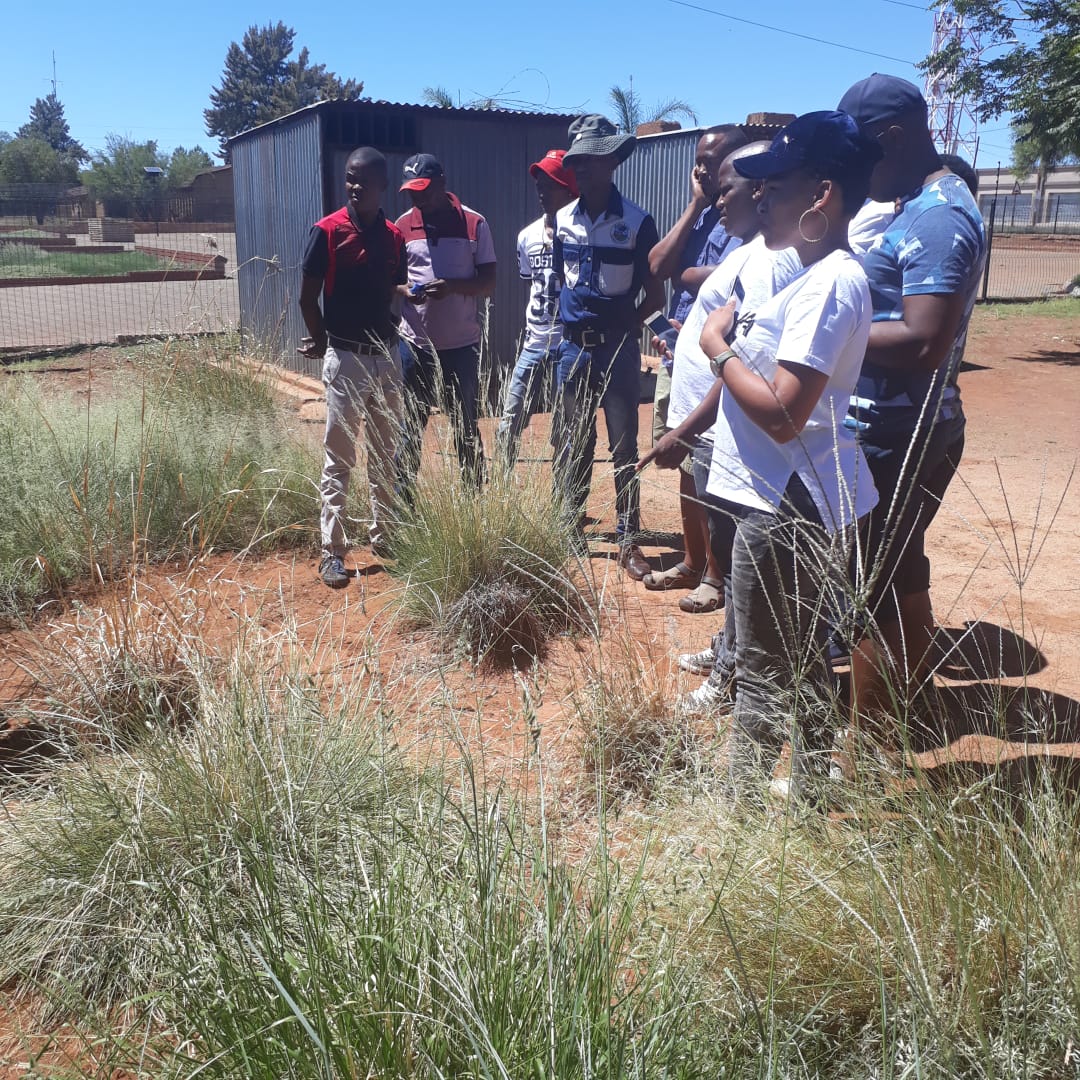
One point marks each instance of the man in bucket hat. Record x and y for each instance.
(555, 187)
(601, 253)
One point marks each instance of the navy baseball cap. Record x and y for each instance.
(880, 98)
(825, 139)
(419, 171)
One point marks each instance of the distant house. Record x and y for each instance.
(289, 173)
(209, 197)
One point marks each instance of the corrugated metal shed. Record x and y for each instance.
(656, 176)
(289, 173)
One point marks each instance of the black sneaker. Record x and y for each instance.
(332, 571)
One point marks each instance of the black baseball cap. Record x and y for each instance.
(830, 140)
(418, 172)
(881, 97)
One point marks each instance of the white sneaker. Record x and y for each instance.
(698, 663)
(709, 697)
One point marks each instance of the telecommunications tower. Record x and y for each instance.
(953, 124)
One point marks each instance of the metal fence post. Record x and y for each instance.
(990, 236)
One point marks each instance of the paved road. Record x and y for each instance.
(50, 315)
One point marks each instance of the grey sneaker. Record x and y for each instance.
(711, 696)
(698, 663)
(332, 571)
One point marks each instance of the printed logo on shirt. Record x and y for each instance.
(744, 323)
(620, 232)
(541, 260)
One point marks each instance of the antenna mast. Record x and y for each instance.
(954, 126)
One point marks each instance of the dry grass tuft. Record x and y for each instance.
(630, 737)
(133, 667)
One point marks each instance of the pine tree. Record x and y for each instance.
(47, 122)
(260, 83)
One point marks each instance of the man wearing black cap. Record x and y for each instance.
(601, 252)
(924, 271)
(451, 263)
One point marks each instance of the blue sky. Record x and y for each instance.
(145, 70)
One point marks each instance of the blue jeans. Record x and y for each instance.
(588, 379)
(533, 369)
(450, 380)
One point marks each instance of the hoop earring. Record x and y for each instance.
(814, 239)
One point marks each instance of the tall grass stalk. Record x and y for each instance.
(190, 456)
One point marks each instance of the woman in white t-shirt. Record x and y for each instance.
(783, 463)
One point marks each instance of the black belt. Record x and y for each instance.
(593, 339)
(364, 348)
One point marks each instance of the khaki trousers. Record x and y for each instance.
(359, 388)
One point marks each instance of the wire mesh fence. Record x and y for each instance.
(1029, 266)
(70, 281)
(95, 281)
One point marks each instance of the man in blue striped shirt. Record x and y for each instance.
(601, 252)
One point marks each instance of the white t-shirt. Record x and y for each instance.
(543, 328)
(751, 269)
(868, 224)
(822, 319)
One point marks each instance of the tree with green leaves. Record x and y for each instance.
(117, 176)
(185, 165)
(48, 123)
(35, 175)
(438, 96)
(630, 111)
(260, 83)
(1022, 58)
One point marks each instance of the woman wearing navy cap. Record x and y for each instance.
(783, 463)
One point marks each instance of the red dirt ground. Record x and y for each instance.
(1010, 519)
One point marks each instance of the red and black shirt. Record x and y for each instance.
(359, 268)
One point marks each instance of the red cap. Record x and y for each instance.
(552, 164)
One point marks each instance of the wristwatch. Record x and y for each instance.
(717, 363)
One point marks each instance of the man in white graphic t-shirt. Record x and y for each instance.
(535, 366)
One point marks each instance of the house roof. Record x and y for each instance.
(369, 105)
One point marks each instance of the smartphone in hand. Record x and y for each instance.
(658, 323)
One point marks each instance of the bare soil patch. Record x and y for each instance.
(1003, 551)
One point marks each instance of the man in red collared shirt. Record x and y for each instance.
(356, 260)
(451, 264)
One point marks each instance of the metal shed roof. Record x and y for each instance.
(399, 106)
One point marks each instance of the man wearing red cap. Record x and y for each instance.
(451, 265)
(555, 188)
